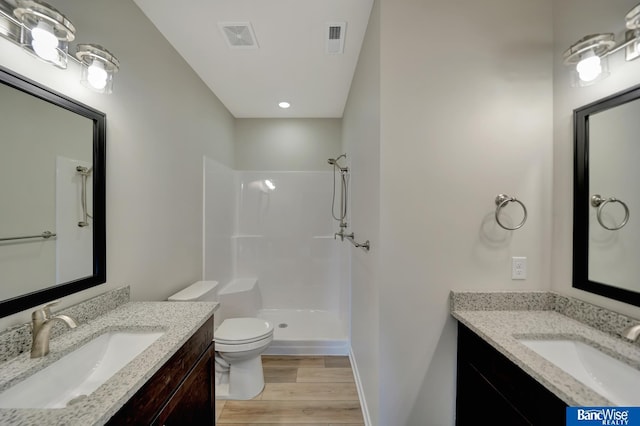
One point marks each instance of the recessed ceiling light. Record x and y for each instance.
(284, 105)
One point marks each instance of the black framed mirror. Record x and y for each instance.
(606, 199)
(52, 186)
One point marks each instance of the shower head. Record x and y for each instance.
(333, 161)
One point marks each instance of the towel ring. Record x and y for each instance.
(501, 201)
(599, 202)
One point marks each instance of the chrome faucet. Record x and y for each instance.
(632, 332)
(41, 322)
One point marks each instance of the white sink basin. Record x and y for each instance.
(611, 378)
(79, 373)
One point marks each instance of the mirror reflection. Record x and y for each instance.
(52, 192)
(614, 243)
(41, 191)
(607, 202)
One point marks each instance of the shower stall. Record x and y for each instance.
(277, 227)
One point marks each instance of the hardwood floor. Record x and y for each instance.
(299, 390)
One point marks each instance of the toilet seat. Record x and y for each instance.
(240, 331)
(244, 347)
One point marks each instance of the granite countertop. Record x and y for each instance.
(178, 320)
(501, 328)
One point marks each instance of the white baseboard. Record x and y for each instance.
(304, 347)
(363, 400)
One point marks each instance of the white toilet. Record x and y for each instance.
(239, 339)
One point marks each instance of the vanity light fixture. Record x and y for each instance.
(45, 31)
(98, 67)
(589, 55)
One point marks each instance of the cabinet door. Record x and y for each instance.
(193, 402)
(478, 402)
(488, 382)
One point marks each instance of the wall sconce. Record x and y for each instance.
(43, 31)
(589, 55)
(98, 67)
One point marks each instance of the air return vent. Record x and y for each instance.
(335, 33)
(238, 35)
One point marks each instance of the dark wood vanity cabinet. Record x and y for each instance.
(493, 390)
(191, 403)
(182, 392)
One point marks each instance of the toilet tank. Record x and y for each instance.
(240, 298)
(201, 291)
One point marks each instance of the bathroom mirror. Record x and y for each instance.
(52, 187)
(606, 233)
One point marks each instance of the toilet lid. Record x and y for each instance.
(242, 330)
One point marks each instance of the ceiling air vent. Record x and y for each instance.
(238, 35)
(335, 37)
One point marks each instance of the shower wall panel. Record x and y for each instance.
(285, 239)
(219, 221)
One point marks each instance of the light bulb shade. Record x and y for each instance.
(45, 31)
(98, 67)
(590, 70)
(588, 58)
(97, 76)
(44, 42)
(590, 67)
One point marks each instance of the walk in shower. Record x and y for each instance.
(277, 227)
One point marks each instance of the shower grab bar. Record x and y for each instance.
(501, 201)
(46, 235)
(84, 173)
(599, 202)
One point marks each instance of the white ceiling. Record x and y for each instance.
(290, 63)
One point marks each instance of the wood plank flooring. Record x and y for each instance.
(299, 390)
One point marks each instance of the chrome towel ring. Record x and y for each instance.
(501, 201)
(599, 202)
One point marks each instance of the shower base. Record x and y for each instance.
(306, 332)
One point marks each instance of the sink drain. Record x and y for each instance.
(283, 325)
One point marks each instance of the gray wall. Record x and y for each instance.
(465, 114)
(286, 144)
(161, 120)
(361, 140)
